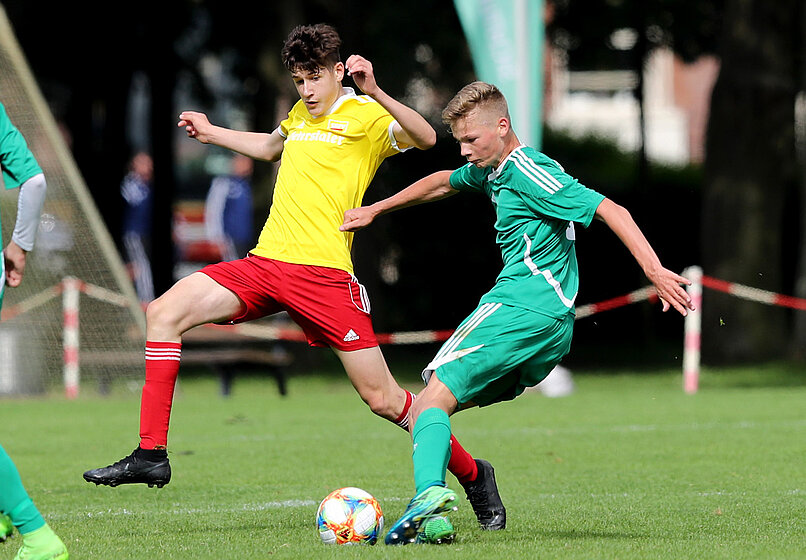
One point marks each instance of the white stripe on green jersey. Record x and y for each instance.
(535, 202)
(543, 179)
(527, 259)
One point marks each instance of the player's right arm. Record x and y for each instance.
(667, 283)
(428, 189)
(257, 145)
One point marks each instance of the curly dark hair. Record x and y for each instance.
(310, 47)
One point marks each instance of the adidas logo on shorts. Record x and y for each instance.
(351, 336)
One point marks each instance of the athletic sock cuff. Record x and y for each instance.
(162, 344)
(26, 517)
(403, 419)
(163, 350)
(429, 417)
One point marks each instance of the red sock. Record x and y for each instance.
(461, 464)
(162, 368)
(403, 419)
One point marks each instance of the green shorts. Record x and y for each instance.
(499, 351)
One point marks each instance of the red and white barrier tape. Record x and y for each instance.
(422, 337)
(33, 302)
(643, 294)
(70, 288)
(754, 294)
(693, 322)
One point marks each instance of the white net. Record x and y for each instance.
(72, 242)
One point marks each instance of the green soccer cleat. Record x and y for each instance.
(6, 527)
(42, 544)
(437, 530)
(429, 503)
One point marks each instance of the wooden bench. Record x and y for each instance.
(228, 352)
(225, 351)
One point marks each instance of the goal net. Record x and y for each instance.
(75, 319)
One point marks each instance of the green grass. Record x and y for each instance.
(627, 467)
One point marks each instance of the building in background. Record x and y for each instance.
(676, 101)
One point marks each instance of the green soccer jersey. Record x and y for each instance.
(536, 204)
(16, 160)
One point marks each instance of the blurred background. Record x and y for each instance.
(690, 113)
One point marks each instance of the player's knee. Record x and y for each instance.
(417, 407)
(376, 404)
(161, 314)
(154, 311)
(427, 398)
(380, 405)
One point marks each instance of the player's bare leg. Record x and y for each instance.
(194, 300)
(369, 374)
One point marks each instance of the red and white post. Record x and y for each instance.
(692, 330)
(70, 336)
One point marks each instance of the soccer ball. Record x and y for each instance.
(349, 516)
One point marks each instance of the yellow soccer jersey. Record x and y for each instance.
(326, 167)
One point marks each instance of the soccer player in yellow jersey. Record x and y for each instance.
(331, 146)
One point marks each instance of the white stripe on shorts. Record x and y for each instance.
(448, 351)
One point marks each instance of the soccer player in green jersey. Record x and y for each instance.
(522, 326)
(20, 169)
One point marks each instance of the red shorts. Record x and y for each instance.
(329, 304)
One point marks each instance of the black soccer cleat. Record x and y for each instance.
(143, 466)
(483, 495)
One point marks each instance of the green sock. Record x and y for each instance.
(14, 500)
(432, 448)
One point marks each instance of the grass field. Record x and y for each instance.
(627, 467)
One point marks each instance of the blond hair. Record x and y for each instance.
(476, 95)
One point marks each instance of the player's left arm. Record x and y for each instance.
(666, 282)
(29, 207)
(411, 127)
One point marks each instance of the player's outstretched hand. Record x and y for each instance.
(669, 286)
(362, 73)
(357, 218)
(14, 257)
(196, 125)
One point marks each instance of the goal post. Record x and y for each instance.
(72, 242)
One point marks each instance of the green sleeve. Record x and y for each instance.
(572, 202)
(468, 178)
(17, 162)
